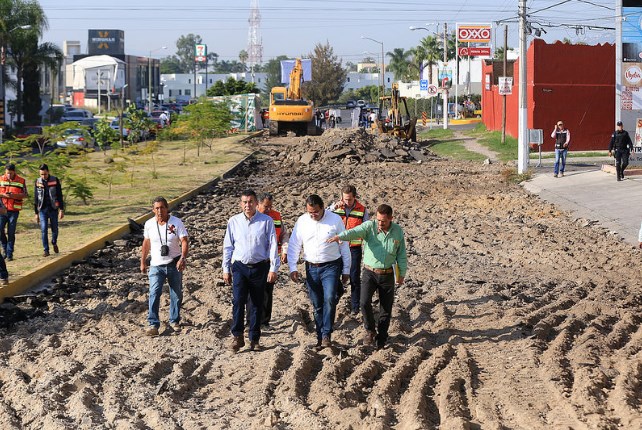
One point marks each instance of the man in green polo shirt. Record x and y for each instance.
(384, 253)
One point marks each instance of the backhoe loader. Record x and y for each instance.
(391, 120)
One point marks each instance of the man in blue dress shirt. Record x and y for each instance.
(250, 261)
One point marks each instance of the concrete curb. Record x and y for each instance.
(47, 270)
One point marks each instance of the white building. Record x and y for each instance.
(184, 86)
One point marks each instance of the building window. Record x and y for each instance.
(189, 81)
(348, 79)
(210, 80)
(179, 92)
(188, 92)
(170, 93)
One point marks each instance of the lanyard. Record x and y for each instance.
(159, 234)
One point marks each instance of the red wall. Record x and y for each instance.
(572, 83)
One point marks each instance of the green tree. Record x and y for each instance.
(24, 52)
(243, 56)
(229, 67)
(45, 55)
(203, 121)
(328, 76)
(185, 52)
(137, 122)
(232, 87)
(272, 70)
(171, 64)
(104, 134)
(399, 63)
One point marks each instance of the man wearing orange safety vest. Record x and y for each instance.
(282, 236)
(12, 191)
(353, 214)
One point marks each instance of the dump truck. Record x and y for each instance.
(394, 120)
(289, 111)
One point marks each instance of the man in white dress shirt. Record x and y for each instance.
(323, 262)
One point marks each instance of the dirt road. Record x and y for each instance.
(513, 316)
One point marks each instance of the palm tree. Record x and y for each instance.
(430, 51)
(21, 43)
(399, 63)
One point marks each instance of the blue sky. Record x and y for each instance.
(293, 27)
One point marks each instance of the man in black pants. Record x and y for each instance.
(622, 145)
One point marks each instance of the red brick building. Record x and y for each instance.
(572, 83)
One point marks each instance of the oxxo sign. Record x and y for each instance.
(474, 33)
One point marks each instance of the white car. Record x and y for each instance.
(75, 137)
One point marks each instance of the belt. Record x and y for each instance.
(323, 264)
(253, 265)
(379, 271)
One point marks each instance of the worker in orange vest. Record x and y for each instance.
(282, 236)
(353, 214)
(12, 191)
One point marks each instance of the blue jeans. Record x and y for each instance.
(157, 276)
(560, 155)
(248, 280)
(8, 239)
(322, 288)
(3, 269)
(48, 216)
(355, 277)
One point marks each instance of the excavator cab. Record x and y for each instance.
(394, 117)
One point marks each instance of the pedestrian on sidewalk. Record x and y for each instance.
(323, 262)
(562, 138)
(384, 253)
(620, 147)
(48, 206)
(165, 238)
(250, 261)
(13, 190)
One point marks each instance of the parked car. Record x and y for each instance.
(32, 130)
(351, 104)
(361, 103)
(75, 137)
(115, 124)
(76, 115)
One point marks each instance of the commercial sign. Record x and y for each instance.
(474, 33)
(631, 31)
(200, 53)
(474, 51)
(505, 86)
(106, 42)
(632, 74)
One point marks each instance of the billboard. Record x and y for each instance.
(106, 42)
(288, 65)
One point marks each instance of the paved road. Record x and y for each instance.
(592, 194)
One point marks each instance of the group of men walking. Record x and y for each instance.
(330, 241)
(48, 208)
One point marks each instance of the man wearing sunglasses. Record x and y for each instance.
(562, 138)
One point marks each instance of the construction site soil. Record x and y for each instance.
(513, 315)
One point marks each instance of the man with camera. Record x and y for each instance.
(166, 237)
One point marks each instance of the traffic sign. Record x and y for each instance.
(432, 90)
(423, 84)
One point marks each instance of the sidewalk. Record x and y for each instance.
(594, 195)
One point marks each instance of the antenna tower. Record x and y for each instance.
(254, 41)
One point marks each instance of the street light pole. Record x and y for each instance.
(522, 148)
(149, 73)
(383, 65)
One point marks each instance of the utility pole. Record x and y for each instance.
(522, 149)
(504, 96)
(445, 88)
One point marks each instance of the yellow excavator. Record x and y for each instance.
(289, 111)
(392, 120)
